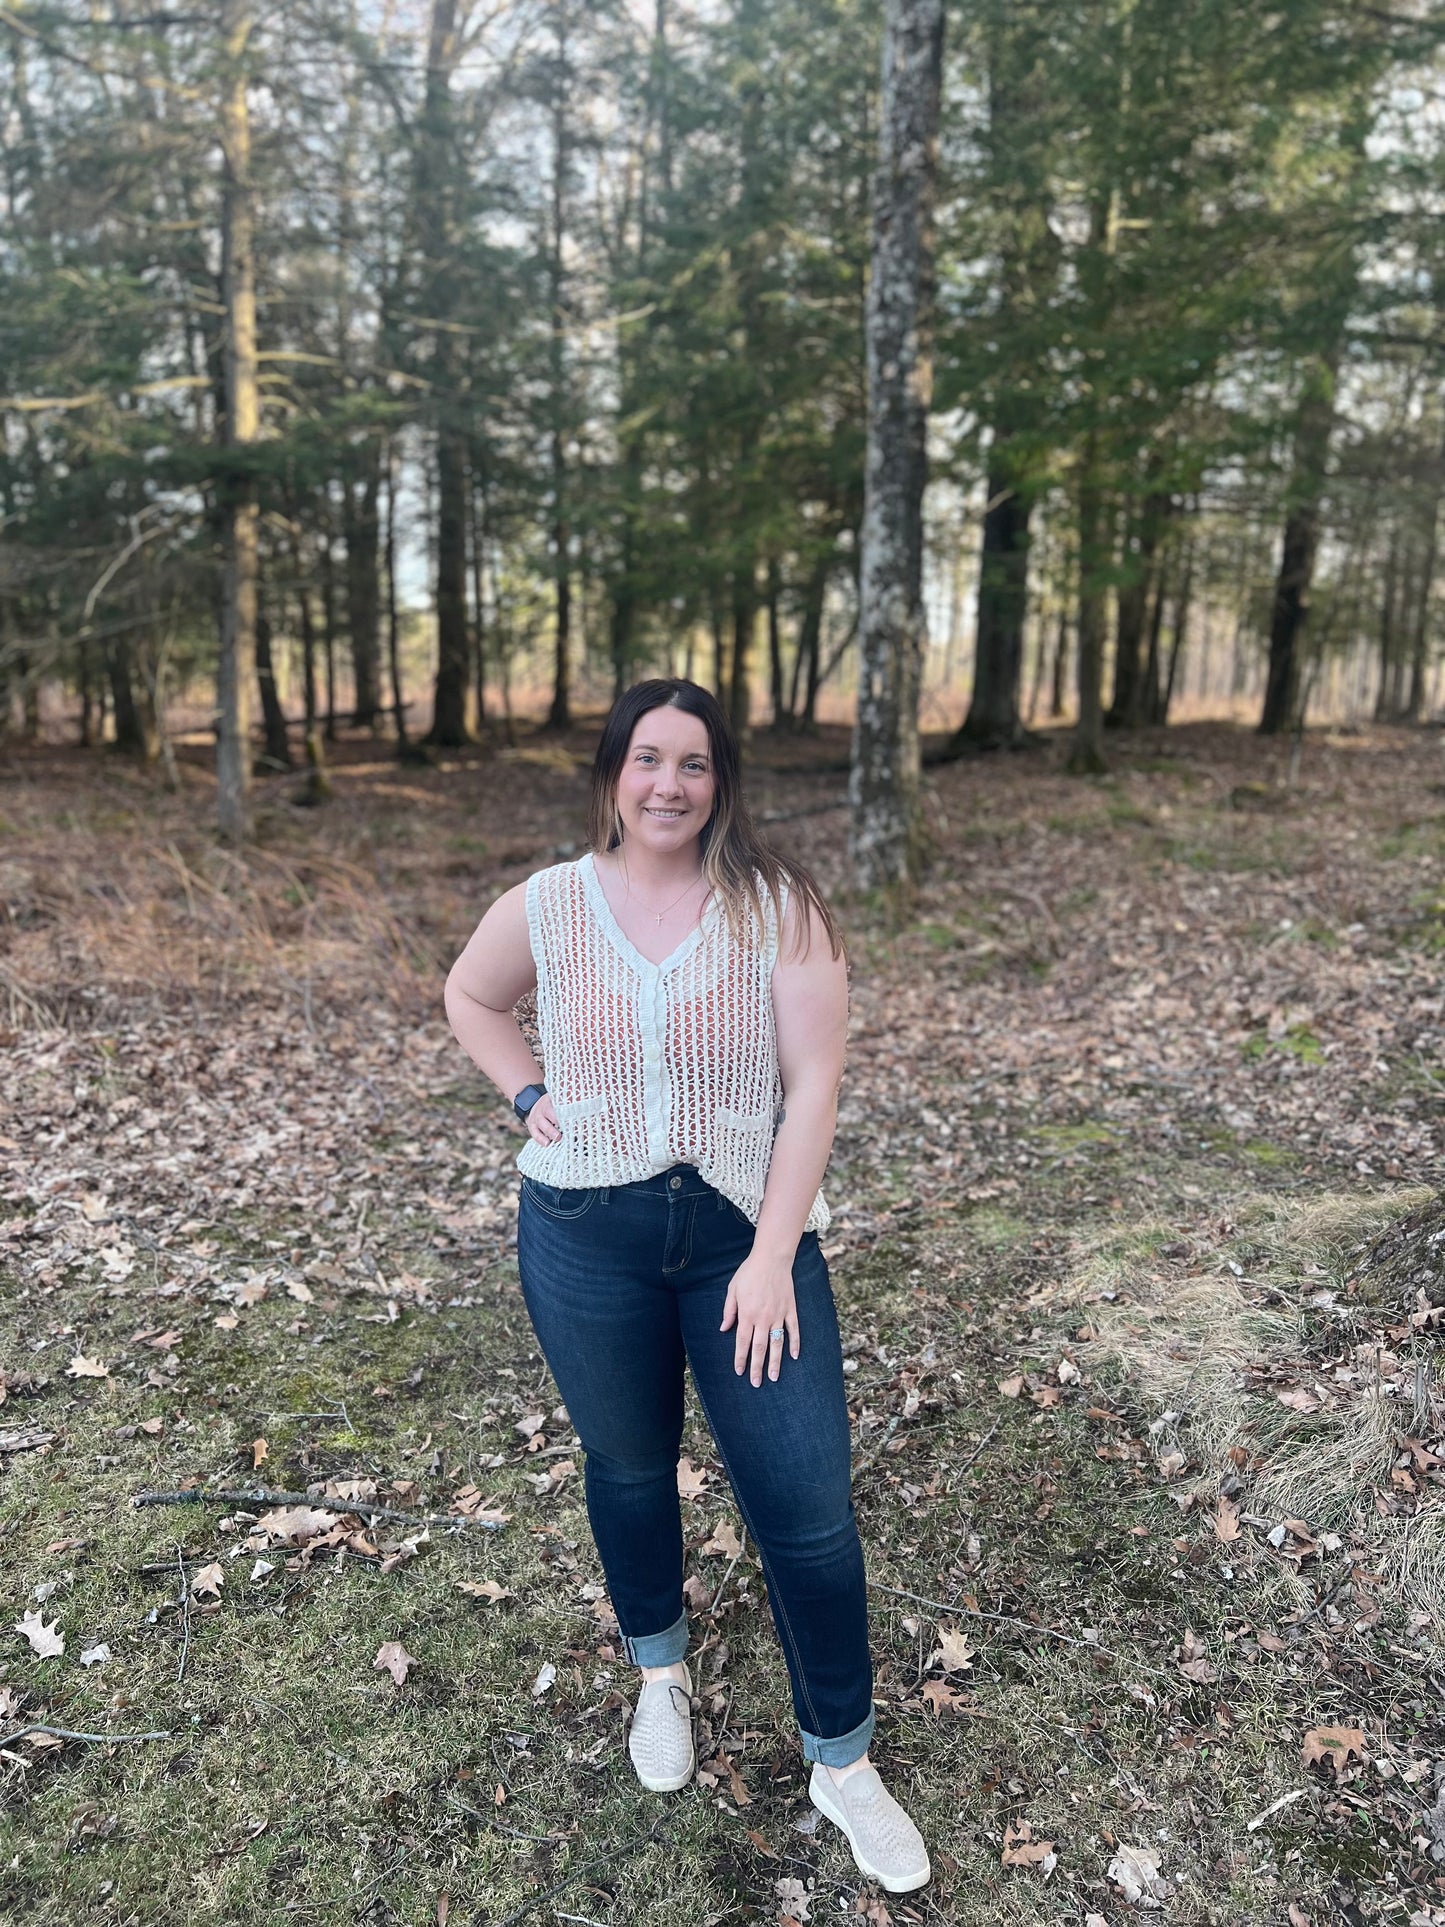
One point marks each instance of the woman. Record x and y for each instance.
(692, 1007)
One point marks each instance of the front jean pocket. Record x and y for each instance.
(558, 1200)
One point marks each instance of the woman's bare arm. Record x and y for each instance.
(495, 969)
(810, 1012)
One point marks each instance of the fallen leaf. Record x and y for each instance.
(251, 1293)
(1069, 1373)
(956, 1652)
(95, 1655)
(761, 1844)
(293, 1525)
(227, 1322)
(298, 1289)
(1011, 1386)
(1020, 1849)
(1225, 1519)
(942, 1697)
(46, 1642)
(259, 1453)
(1298, 1400)
(533, 1422)
(1335, 1744)
(484, 1589)
(690, 1479)
(444, 1908)
(545, 1681)
(392, 1657)
(208, 1582)
(794, 1900)
(261, 1568)
(1135, 1872)
(81, 1367)
(152, 1426)
(725, 1540)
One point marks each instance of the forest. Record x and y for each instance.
(1030, 420)
(401, 361)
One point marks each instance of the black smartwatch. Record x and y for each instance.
(526, 1098)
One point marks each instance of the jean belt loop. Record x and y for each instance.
(606, 1192)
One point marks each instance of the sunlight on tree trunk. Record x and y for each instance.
(237, 669)
(883, 782)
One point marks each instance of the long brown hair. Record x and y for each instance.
(734, 855)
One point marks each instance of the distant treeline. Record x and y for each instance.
(564, 300)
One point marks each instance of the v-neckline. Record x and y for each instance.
(612, 929)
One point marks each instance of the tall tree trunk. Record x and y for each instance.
(438, 214)
(810, 630)
(993, 720)
(884, 776)
(745, 621)
(328, 625)
(362, 531)
(120, 669)
(239, 518)
(393, 627)
(1131, 700)
(775, 644)
(559, 716)
(1314, 424)
(1420, 638)
(476, 540)
(1095, 556)
(278, 749)
(1181, 629)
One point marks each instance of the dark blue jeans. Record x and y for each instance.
(626, 1283)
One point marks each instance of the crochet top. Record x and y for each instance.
(650, 1065)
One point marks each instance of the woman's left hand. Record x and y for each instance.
(760, 1299)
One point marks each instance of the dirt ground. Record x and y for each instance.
(1140, 1276)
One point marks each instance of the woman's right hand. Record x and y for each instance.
(542, 1125)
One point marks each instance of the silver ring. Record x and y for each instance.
(778, 1331)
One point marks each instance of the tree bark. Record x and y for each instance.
(278, 749)
(993, 720)
(745, 621)
(1420, 640)
(559, 716)
(1130, 705)
(884, 776)
(1095, 546)
(437, 164)
(239, 518)
(362, 530)
(1313, 427)
(393, 627)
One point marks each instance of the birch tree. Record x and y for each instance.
(236, 672)
(883, 782)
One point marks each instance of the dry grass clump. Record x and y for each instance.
(101, 916)
(1272, 1371)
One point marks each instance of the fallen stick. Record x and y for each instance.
(64, 1733)
(1024, 1625)
(262, 1496)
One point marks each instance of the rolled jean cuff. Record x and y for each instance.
(658, 1649)
(842, 1751)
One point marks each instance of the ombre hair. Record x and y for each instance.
(735, 857)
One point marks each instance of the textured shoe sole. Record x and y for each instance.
(821, 1797)
(667, 1786)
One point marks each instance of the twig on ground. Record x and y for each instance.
(724, 1586)
(1024, 1625)
(500, 1826)
(65, 1733)
(185, 1605)
(889, 1429)
(539, 1899)
(263, 1496)
(1284, 1800)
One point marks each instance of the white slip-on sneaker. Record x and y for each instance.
(660, 1741)
(886, 1844)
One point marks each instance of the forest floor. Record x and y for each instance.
(1147, 1430)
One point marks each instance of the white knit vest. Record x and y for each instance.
(650, 1065)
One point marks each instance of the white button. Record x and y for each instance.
(650, 1053)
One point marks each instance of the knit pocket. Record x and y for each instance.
(745, 1147)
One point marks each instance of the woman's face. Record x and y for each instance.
(666, 785)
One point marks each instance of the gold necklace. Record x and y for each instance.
(659, 914)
